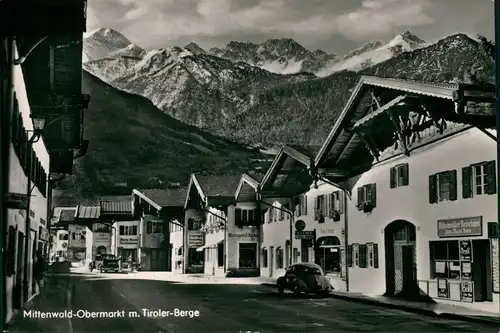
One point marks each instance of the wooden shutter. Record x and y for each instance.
(363, 249)
(406, 174)
(372, 188)
(467, 182)
(491, 177)
(304, 211)
(433, 189)
(375, 255)
(453, 185)
(296, 202)
(341, 201)
(237, 217)
(360, 196)
(493, 230)
(316, 208)
(393, 176)
(349, 255)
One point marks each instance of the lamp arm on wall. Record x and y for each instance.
(22, 58)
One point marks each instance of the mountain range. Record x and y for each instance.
(163, 113)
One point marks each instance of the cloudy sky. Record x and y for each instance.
(332, 25)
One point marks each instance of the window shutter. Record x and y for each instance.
(433, 188)
(373, 194)
(304, 212)
(393, 177)
(493, 230)
(349, 255)
(316, 208)
(406, 174)
(297, 203)
(491, 177)
(360, 196)
(149, 227)
(362, 255)
(237, 216)
(375, 255)
(341, 201)
(453, 185)
(467, 182)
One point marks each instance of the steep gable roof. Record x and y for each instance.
(159, 198)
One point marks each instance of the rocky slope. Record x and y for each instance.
(133, 144)
(103, 43)
(283, 56)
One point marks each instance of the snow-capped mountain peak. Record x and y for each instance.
(375, 52)
(105, 42)
(195, 48)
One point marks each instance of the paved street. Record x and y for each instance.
(220, 308)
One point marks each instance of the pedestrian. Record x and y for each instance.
(39, 269)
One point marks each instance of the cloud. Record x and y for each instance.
(173, 19)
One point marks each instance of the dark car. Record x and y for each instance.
(110, 263)
(305, 278)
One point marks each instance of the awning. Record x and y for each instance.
(212, 243)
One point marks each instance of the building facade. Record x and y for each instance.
(423, 220)
(125, 238)
(59, 251)
(98, 241)
(77, 242)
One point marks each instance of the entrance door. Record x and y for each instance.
(481, 266)
(16, 293)
(401, 269)
(271, 260)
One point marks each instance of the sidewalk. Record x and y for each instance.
(429, 309)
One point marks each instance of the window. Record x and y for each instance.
(220, 255)
(295, 255)
(372, 255)
(194, 224)
(301, 205)
(320, 208)
(63, 236)
(363, 255)
(99, 227)
(367, 194)
(247, 255)
(355, 252)
(73, 236)
(153, 227)
(399, 175)
(282, 214)
(246, 217)
(445, 259)
(128, 230)
(279, 258)
(336, 205)
(479, 179)
(443, 186)
(265, 257)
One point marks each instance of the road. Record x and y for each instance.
(212, 308)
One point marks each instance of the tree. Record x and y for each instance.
(487, 46)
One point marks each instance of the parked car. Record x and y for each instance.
(305, 278)
(104, 263)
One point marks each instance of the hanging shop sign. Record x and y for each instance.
(16, 200)
(467, 291)
(462, 227)
(300, 225)
(443, 291)
(305, 234)
(195, 238)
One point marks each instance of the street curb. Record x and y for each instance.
(425, 312)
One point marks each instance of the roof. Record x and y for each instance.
(218, 185)
(89, 212)
(455, 93)
(67, 214)
(109, 207)
(174, 197)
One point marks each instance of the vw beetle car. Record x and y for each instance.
(305, 278)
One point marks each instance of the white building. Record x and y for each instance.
(422, 172)
(126, 241)
(98, 241)
(76, 242)
(60, 249)
(312, 230)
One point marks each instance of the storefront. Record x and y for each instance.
(128, 242)
(464, 263)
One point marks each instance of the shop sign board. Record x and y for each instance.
(466, 270)
(195, 238)
(461, 227)
(300, 225)
(129, 240)
(305, 234)
(443, 291)
(16, 200)
(467, 291)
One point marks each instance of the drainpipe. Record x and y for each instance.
(291, 215)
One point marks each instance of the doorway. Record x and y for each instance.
(481, 270)
(400, 257)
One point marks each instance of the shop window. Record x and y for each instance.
(220, 255)
(295, 255)
(399, 175)
(479, 179)
(279, 258)
(247, 255)
(265, 257)
(445, 259)
(195, 257)
(328, 258)
(443, 186)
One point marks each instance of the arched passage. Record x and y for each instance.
(400, 257)
(100, 250)
(327, 253)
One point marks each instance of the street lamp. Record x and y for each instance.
(37, 131)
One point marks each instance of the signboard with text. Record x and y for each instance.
(195, 238)
(16, 200)
(304, 235)
(467, 291)
(462, 227)
(466, 250)
(129, 240)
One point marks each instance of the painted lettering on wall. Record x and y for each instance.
(243, 235)
(468, 226)
(129, 240)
